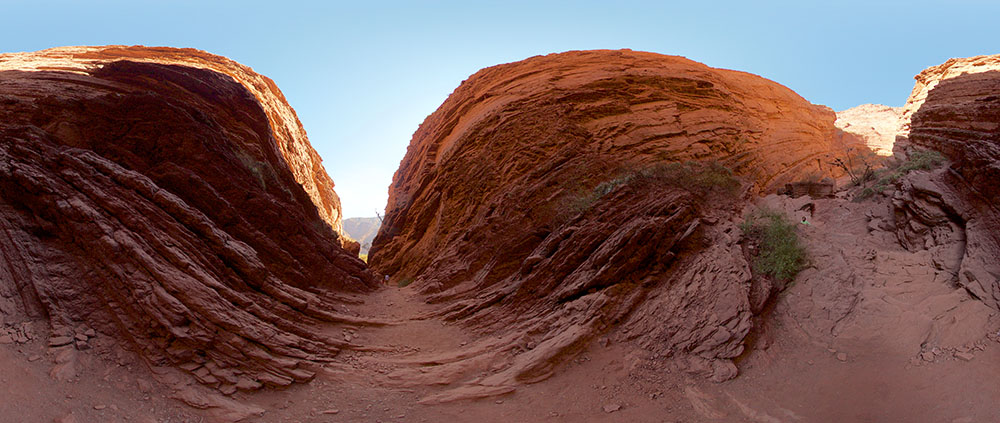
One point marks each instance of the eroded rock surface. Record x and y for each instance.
(484, 211)
(955, 109)
(168, 199)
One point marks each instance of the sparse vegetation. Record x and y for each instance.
(916, 160)
(700, 178)
(404, 282)
(859, 165)
(779, 254)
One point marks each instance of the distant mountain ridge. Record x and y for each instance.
(363, 230)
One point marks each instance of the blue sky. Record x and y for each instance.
(362, 75)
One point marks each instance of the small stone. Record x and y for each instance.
(331, 411)
(90, 333)
(810, 362)
(227, 389)
(34, 358)
(842, 356)
(530, 346)
(81, 337)
(611, 408)
(144, 385)
(463, 343)
(927, 356)
(499, 401)
(59, 341)
(100, 407)
(6, 339)
(82, 345)
(964, 356)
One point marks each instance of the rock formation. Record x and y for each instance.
(290, 137)
(955, 109)
(551, 200)
(169, 199)
(872, 126)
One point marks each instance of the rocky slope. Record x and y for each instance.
(170, 200)
(547, 201)
(955, 109)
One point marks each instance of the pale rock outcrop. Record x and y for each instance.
(873, 126)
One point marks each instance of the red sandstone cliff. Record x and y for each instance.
(955, 109)
(169, 199)
(290, 138)
(481, 211)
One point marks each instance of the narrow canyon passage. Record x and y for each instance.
(565, 239)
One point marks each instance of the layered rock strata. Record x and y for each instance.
(169, 200)
(955, 109)
(485, 210)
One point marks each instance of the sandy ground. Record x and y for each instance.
(889, 359)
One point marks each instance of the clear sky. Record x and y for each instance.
(362, 75)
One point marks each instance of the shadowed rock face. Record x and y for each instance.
(159, 204)
(955, 109)
(483, 209)
(289, 135)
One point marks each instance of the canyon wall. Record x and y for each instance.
(169, 199)
(564, 195)
(955, 109)
(289, 135)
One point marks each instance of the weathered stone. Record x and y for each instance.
(59, 341)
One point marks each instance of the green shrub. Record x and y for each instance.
(917, 160)
(779, 255)
(403, 282)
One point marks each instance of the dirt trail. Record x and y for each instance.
(870, 332)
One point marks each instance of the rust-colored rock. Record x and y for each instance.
(289, 135)
(955, 109)
(168, 198)
(485, 210)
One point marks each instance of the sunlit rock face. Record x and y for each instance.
(870, 126)
(955, 109)
(481, 212)
(169, 199)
